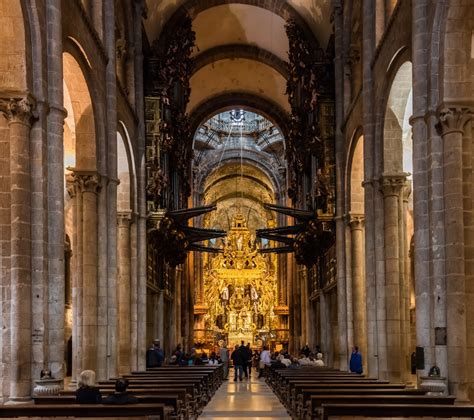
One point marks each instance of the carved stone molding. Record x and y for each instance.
(18, 110)
(356, 221)
(453, 120)
(87, 182)
(407, 190)
(70, 186)
(392, 184)
(124, 218)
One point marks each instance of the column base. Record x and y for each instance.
(48, 387)
(434, 385)
(18, 400)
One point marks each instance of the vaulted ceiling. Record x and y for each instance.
(241, 48)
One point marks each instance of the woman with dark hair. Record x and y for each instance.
(121, 396)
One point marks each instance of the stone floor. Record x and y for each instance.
(243, 400)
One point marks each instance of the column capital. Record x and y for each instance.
(19, 109)
(87, 181)
(356, 221)
(453, 119)
(70, 186)
(392, 184)
(407, 190)
(124, 218)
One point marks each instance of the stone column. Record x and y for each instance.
(405, 280)
(19, 113)
(107, 14)
(88, 185)
(349, 301)
(391, 186)
(55, 170)
(451, 122)
(375, 336)
(356, 224)
(340, 165)
(76, 265)
(123, 291)
(141, 345)
(427, 191)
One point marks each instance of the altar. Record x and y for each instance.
(240, 289)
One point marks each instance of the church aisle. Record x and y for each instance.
(243, 400)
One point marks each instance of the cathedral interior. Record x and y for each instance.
(283, 172)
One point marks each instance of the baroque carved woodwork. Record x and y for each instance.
(310, 138)
(169, 140)
(240, 285)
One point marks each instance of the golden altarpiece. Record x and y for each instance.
(240, 293)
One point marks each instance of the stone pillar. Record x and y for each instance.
(133, 292)
(356, 224)
(340, 167)
(88, 185)
(349, 313)
(141, 345)
(375, 333)
(405, 279)
(391, 186)
(19, 113)
(427, 192)
(55, 170)
(123, 291)
(107, 14)
(76, 271)
(452, 123)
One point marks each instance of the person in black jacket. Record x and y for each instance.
(121, 396)
(86, 392)
(238, 359)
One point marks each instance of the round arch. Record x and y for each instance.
(397, 143)
(355, 174)
(78, 102)
(130, 164)
(246, 101)
(279, 7)
(251, 52)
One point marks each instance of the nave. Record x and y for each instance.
(251, 398)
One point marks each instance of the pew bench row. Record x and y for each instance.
(316, 393)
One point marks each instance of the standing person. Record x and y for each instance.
(355, 364)
(249, 359)
(154, 355)
(306, 350)
(243, 350)
(224, 356)
(86, 392)
(264, 360)
(238, 359)
(178, 353)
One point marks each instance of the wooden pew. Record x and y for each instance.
(301, 405)
(170, 400)
(85, 410)
(318, 400)
(185, 394)
(391, 411)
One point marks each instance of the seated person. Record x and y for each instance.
(86, 392)
(319, 360)
(120, 396)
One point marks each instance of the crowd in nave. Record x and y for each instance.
(243, 358)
